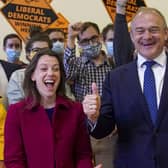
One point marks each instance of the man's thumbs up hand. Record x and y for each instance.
(91, 104)
(94, 89)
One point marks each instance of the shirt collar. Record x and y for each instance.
(160, 60)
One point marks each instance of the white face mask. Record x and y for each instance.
(58, 47)
(12, 55)
(110, 48)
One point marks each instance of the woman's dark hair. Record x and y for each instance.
(29, 86)
(106, 29)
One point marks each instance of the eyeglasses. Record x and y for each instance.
(84, 42)
(35, 49)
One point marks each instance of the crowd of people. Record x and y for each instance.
(77, 104)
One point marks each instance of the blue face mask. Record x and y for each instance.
(12, 55)
(92, 51)
(58, 47)
(109, 48)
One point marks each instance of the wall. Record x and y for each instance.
(78, 10)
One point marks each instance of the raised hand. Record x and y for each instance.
(73, 31)
(121, 6)
(122, 2)
(91, 104)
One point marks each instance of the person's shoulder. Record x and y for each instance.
(9, 68)
(19, 72)
(67, 102)
(5, 63)
(19, 104)
(119, 71)
(124, 67)
(17, 107)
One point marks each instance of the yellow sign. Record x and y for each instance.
(131, 8)
(61, 23)
(5, 1)
(49, 1)
(22, 14)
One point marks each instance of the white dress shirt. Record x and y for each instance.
(158, 69)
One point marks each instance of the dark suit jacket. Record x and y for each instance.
(9, 67)
(32, 142)
(140, 143)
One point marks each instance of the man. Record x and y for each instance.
(12, 45)
(58, 38)
(142, 130)
(91, 66)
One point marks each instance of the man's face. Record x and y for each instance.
(36, 46)
(89, 36)
(13, 43)
(148, 34)
(58, 41)
(57, 36)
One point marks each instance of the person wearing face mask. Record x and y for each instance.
(12, 45)
(57, 36)
(108, 36)
(91, 66)
(6, 69)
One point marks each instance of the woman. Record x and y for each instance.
(46, 129)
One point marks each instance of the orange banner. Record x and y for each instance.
(131, 8)
(22, 14)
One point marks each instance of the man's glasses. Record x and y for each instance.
(35, 49)
(84, 42)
